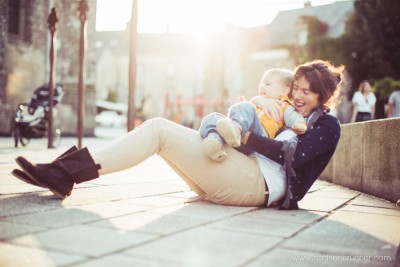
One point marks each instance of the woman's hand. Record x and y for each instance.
(270, 106)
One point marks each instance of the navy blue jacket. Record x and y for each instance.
(313, 152)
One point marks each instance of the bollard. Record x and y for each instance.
(52, 22)
(82, 10)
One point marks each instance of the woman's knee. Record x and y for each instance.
(156, 125)
(157, 121)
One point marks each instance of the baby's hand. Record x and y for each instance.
(299, 127)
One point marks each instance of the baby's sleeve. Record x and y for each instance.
(291, 116)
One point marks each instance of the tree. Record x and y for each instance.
(319, 45)
(370, 45)
(373, 40)
(316, 32)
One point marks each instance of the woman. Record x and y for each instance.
(255, 180)
(363, 103)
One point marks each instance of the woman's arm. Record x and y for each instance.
(354, 100)
(270, 148)
(321, 138)
(390, 108)
(354, 114)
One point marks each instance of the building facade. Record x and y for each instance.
(195, 75)
(24, 57)
(178, 76)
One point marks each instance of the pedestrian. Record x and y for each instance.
(363, 103)
(242, 180)
(216, 129)
(394, 104)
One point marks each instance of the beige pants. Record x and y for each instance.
(236, 181)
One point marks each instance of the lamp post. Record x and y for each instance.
(132, 68)
(52, 23)
(82, 10)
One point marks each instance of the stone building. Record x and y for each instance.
(278, 41)
(178, 75)
(24, 58)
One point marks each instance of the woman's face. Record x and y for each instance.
(366, 88)
(304, 100)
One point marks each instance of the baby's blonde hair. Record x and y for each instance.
(286, 76)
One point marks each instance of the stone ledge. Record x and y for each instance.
(367, 159)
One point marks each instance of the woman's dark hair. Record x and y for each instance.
(325, 79)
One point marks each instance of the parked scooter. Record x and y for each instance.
(32, 119)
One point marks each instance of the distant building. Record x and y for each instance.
(179, 76)
(194, 75)
(286, 31)
(176, 73)
(24, 57)
(283, 29)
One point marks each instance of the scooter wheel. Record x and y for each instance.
(16, 134)
(24, 140)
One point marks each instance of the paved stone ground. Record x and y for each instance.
(146, 216)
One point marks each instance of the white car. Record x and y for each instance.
(110, 118)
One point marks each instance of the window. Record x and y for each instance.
(14, 16)
(302, 36)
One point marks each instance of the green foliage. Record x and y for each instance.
(373, 39)
(319, 45)
(327, 49)
(369, 48)
(384, 87)
(316, 27)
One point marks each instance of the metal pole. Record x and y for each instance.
(82, 10)
(52, 22)
(132, 68)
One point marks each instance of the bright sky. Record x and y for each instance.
(200, 16)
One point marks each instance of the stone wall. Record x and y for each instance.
(3, 37)
(367, 159)
(24, 58)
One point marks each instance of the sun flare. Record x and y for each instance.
(191, 16)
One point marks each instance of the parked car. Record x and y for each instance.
(109, 118)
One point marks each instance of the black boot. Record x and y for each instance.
(24, 177)
(60, 175)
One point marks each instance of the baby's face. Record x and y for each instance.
(271, 86)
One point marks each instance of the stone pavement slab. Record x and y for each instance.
(127, 261)
(83, 240)
(147, 222)
(11, 229)
(147, 216)
(206, 246)
(350, 233)
(280, 257)
(20, 256)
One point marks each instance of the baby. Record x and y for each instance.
(244, 116)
